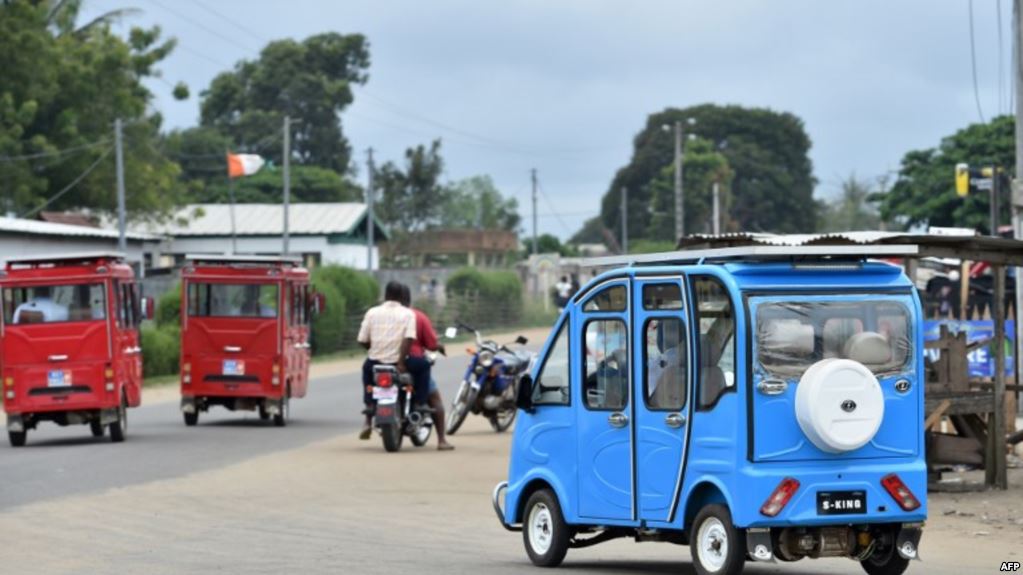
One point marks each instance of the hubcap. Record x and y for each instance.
(540, 528)
(712, 544)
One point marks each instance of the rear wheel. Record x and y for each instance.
(392, 436)
(263, 413)
(463, 401)
(503, 419)
(96, 428)
(17, 438)
(885, 561)
(119, 428)
(544, 531)
(281, 419)
(191, 418)
(718, 548)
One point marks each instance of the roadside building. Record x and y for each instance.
(22, 237)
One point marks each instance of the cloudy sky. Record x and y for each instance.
(563, 85)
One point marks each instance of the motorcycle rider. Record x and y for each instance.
(387, 332)
(426, 340)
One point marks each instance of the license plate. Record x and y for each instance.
(234, 367)
(841, 502)
(58, 378)
(385, 393)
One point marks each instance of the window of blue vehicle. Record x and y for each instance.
(551, 387)
(611, 299)
(606, 364)
(665, 357)
(715, 316)
(666, 296)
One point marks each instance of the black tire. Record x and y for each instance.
(544, 531)
(191, 419)
(96, 428)
(119, 428)
(392, 437)
(886, 561)
(460, 407)
(283, 414)
(17, 438)
(711, 531)
(264, 415)
(503, 419)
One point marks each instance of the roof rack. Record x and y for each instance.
(65, 258)
(756, 253)
(228, 259)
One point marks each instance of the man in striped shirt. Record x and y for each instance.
(387, 331)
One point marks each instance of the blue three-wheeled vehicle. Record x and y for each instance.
(759, 403)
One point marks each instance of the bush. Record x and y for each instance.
(161, 350)
(330, 325)
(168, 308)
(484, 299)
(347, 294)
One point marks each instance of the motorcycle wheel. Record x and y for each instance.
(392, 435)
(460, 407)
(503, 419)
(422, 435)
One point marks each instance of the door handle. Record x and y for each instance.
(618, 419)
(232, 348)
(132, 350)
(57, 358)
(675, 420)
(772, 387)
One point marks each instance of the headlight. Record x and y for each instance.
(486, 358)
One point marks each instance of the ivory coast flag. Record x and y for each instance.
(239, 165)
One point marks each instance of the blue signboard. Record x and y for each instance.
(982, 359)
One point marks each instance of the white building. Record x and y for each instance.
(322, 233)
(20, 237)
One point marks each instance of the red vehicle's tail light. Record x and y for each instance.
(384, 380)
(780, 497)
(899, 492)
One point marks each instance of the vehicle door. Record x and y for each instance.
(661, 379)
(127, 351)
(299, 338)
(605, 449)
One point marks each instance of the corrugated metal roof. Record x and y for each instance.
(264, 219)
(36, 227)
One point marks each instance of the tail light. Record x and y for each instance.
(186, 372)
(899, 492)
(108, 375)
(780, 497)
(275, 379)
(9, 383)
(384, 380)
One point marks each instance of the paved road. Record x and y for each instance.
(62, 461)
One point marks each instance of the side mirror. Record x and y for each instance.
(521, 340)
(451, 332)
(148, 308)
(524, 398)
(318, 303)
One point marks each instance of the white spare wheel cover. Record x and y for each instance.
(839, 405)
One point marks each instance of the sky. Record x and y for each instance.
(563, 86)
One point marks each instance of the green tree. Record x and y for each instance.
(411, 197)
(851, 210)
(477, 203)
(311, 81)
(766, 154)
(924, 192)
(61, 89)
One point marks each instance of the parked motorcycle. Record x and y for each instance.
(490, 382)
(394, 416)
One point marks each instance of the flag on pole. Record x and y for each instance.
(239, 165)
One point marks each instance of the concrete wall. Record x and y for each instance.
(351, 255)
(425, 283)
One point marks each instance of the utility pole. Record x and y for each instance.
(287, 177)
(370, 199)
(625, 220)
(680, 222)
(122, 240)
(535, 244)
(717, 208)
(1017, 184)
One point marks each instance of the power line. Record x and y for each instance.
(56, 153)
(550, 207)
(973, 61)
(69, 187)
(199, 24)
(1001, 48)
(231, 21)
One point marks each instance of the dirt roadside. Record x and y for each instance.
(171, 392)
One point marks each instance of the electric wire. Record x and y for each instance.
(57, 153)
(973, 61)
(1001, 64)
(68, 187)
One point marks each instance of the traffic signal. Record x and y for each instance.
(962, 180)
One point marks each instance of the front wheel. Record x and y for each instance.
(17, 438)
(119, 428)
(718, 548)
(885, 561)
(503, 419)
(460, 407)
(544, 531)
(96, 428)
(392, 435)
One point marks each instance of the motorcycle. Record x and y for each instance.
(393, 415)
(490, 382)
